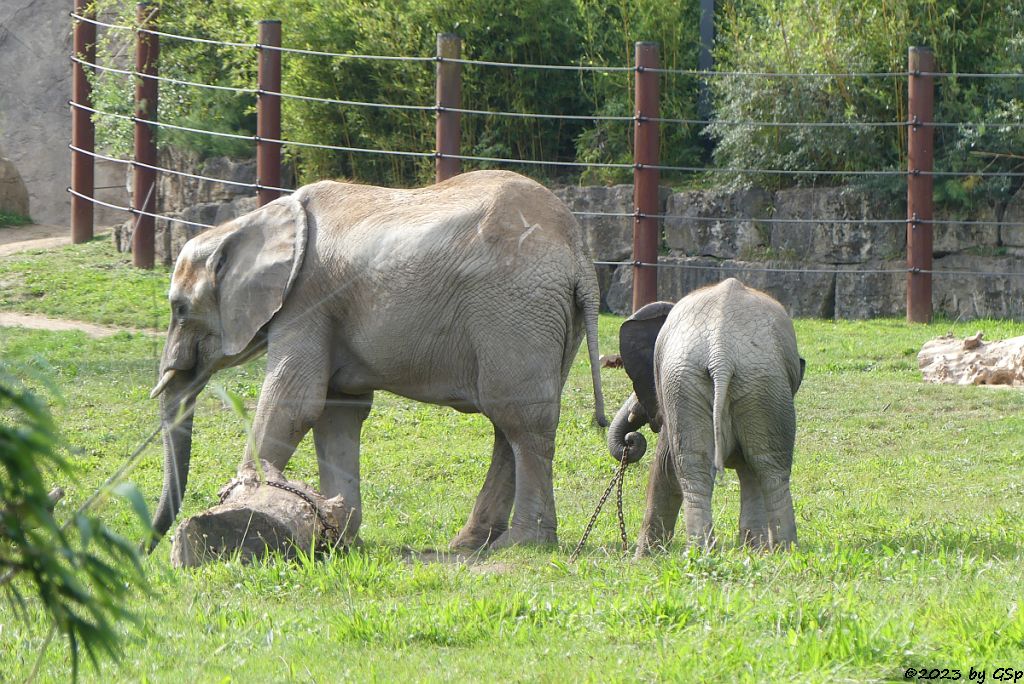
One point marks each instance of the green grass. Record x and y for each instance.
(90, 282)
(10, 219)
(910, 509)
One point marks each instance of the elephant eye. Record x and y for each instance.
(179, 311)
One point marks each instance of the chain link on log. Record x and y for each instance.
(332, 533)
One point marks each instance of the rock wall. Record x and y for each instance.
(832, 252)
(35, 43)
(822, 252)
(35, 121)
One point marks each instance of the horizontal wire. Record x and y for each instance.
(844, 271)
(342, 148)
(165, 79)
(184, 174)
(527, 115)
(161, 124)
(444, 155)
(544, 67)
(812, 220)
(775, 74)
(837, 271)
(558, 67)
(345, 55)
(132, 210)
(122, 27)
(781, 124)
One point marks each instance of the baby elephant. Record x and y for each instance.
(718, 370)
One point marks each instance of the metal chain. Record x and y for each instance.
(616, 480)
(325, 524)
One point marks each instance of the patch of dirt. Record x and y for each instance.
(14, 239)
(37, 322)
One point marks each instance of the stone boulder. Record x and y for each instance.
(850, 238)
(871, 290)
(13, 194)
(802, 291)
(967, 286)
(718, 223)
(951, 238)
(1011, 227)
(607, 238)
(170, 236)
(179, 193)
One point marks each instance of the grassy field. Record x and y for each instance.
(909, 501)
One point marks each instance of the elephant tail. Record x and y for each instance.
(588, 301)
(720, 378)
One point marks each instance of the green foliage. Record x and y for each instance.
(83, 572)
(537, 32)
(9, 219)
(844, 36)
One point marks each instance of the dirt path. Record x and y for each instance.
(14, 239)
(38, 322)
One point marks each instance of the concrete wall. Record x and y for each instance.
(35, 122)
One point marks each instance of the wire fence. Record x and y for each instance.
(635, 120)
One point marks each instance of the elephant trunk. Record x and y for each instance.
(623, 432)
(177, 406)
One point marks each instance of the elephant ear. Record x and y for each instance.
(255, 267)
(637, 336)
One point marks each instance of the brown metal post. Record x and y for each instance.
(645, 177)
(147, 51)
(268, 113)
(449, 95)
(920, 147)
(83, 131)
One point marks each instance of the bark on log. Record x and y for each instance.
(257, 517)
(972, 361)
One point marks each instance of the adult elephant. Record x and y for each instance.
(474, 293)
(715, 374)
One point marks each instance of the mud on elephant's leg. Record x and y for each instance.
(663, 500)
(753, 516)
(489, 518)
(336, 436)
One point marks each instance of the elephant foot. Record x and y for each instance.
(754, 539)
(516, 536)
(474, 538)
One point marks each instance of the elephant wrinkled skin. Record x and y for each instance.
(715, 374)
(474, 293)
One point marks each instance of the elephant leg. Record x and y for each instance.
(291, 400)
(533, 448)
(663, 500)
(766, 439)
(336, 436)
(753, 516)
(778, 501)
(695, 471)
(489, 518)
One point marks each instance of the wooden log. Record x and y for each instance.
(261, 515)
(972, 361)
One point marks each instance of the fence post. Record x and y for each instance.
(645, 177)
(920, 146)
(268, 113)
(449, 94)
(83, 131)
(147, 51)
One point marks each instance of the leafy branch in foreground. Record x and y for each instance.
(83, 572)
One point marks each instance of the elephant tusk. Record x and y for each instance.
(162, 385)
